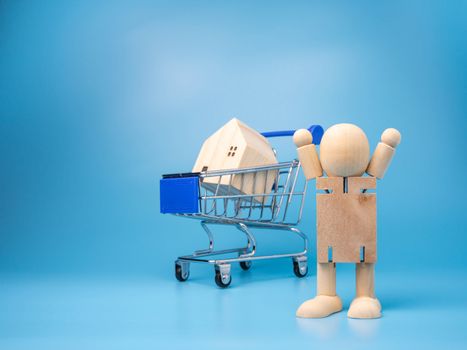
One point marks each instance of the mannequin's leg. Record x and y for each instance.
(365, 304)
(326, 301)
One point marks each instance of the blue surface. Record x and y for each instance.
(99, 99)
(316, 131)
(421, 311)
(179, 195)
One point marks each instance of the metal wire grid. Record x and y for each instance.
(270, 206)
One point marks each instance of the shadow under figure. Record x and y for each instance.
(346, 213)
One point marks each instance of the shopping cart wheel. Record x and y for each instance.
(182, 271)
(245, 265)
(300, 268)
(223, 278)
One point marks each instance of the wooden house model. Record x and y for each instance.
(236, 146)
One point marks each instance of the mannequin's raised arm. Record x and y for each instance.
(307, 154)
(382, 156)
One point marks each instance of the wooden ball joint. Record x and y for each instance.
(346, 213)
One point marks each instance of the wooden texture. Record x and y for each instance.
(382, 157)
(310, 162)
(326, 279)
(236, 146)
(381, 160)
(307, 154)
(344, 151)
(365, 280)
(346, 221)
(302, 137)
(391, 137)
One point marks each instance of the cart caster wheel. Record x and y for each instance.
(220, 283)
(181, 272)
(223, 278)
(299, 271)
(245, 265)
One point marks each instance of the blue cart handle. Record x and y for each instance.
(316, 130)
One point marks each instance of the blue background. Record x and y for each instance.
(98, 99)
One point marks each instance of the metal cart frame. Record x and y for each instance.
(272, 212)
(275, 207)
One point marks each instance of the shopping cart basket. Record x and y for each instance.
(277, 208)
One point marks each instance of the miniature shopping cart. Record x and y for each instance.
(277, 208)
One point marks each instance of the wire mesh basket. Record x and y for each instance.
(264, 197)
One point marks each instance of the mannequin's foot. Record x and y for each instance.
(320, 306)
(365, 307)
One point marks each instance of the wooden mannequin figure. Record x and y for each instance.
(346, 213)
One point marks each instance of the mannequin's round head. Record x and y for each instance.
(344, 151)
